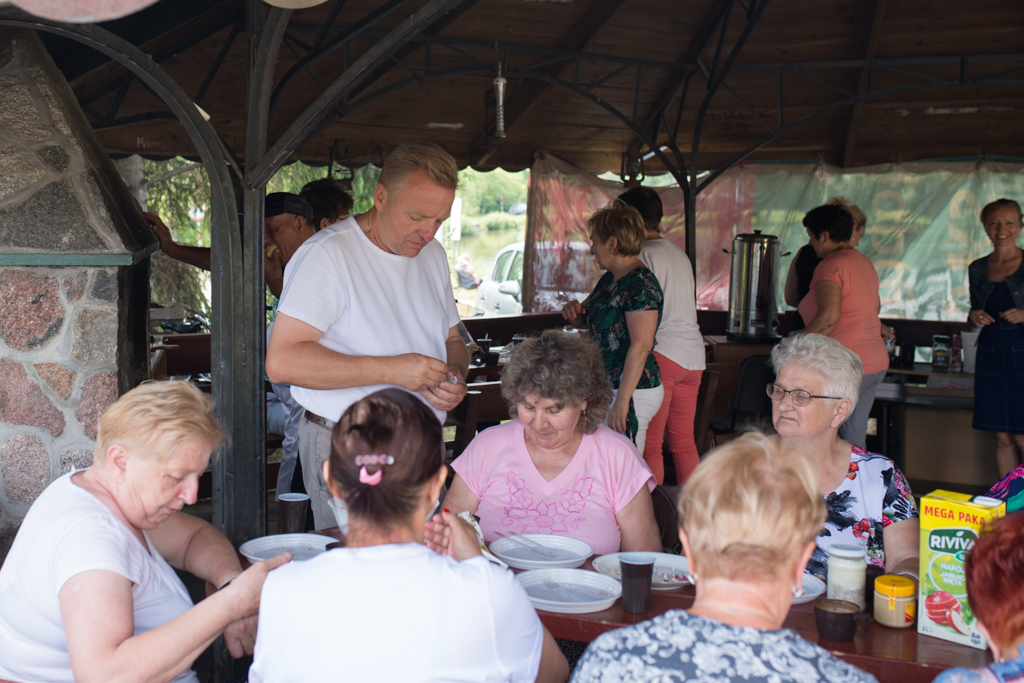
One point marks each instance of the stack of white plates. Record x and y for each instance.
(669, 570)
(541, 551)
(303, 546)
(570, 591)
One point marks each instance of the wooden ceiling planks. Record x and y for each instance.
(901, 126)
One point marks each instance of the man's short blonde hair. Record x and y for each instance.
(154, 418)
(750, 508)
(622, 222)
(427, 157)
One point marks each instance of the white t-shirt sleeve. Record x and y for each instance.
(517, 631)
(453, 312)
(96, 543)
(312, 290)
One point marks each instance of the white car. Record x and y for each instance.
(566, 274)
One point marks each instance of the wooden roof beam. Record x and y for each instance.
(105, 78)
(400, 56)
(408, 49)
(697, 44)
(596, 16)
(862, 82)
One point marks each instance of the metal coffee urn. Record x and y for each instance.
(753, 304)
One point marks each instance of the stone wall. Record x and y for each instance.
(58, 372)
(72, 337)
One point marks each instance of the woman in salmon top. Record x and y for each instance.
(843, 304)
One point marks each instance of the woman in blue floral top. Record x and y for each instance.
(622, 314)
(868, 500)
(995, 591)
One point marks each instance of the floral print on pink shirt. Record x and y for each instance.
(543, 517)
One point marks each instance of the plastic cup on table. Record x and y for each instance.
(637, 570)
(291, 513)
(837, 620)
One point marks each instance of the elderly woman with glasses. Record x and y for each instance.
(869, 502)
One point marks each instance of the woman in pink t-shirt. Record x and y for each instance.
(556, 469)
(843, 304)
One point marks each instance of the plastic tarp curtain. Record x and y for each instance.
(923, 225)
(561, 199)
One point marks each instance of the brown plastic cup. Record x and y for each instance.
(837, 619)
(291, 513)
(872, 573)
(637, 569)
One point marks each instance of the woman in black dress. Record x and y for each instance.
(997, 306)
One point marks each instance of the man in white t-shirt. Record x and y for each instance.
(680, 345)
(368, 304)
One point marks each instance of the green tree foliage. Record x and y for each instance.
(481, 191)
(292, 177)
(178, 191)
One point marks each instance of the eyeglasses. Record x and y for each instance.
(799, 397)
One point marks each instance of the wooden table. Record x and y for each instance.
(889, 654)
(898, 655)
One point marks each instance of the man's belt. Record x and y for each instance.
(317, 420)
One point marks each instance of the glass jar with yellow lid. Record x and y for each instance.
(895, 601)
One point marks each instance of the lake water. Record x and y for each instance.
(484, 247)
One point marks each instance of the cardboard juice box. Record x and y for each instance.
(950, 523)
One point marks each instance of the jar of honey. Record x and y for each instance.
(895, 601)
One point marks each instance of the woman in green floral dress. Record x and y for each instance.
(622, 314)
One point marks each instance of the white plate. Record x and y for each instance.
(668, 570)
(578, 591)
(814, 588)
(559, 551)
(304, 546)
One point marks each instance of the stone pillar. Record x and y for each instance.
(58, 372)
(74, 263)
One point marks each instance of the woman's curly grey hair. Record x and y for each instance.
(562, 367)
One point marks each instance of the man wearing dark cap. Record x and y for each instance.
(287, 223)
(368, 304)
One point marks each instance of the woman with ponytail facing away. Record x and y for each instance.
(407, 599)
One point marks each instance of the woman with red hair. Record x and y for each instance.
(995, 590)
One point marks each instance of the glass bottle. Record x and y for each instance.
(940, 353)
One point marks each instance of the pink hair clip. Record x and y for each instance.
(363, 460)
(372, 459)
(370, 479)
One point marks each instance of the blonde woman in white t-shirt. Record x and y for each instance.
(680, 348)
(407, 599)
(88, 592)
